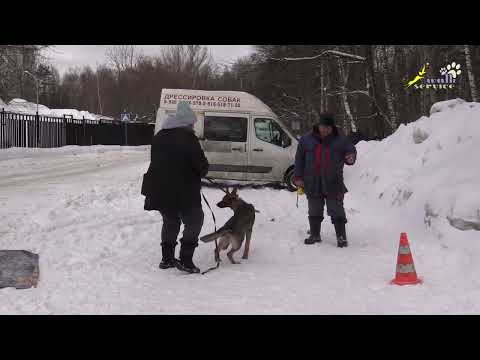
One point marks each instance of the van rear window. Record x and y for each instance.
(219, 128)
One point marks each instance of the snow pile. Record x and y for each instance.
(25, 107)
(447, 105)
(427, 168)
(76, 114)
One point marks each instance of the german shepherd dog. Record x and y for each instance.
(236, 228)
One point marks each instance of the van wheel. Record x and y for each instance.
(289, 181)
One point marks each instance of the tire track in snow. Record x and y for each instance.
(65, 172)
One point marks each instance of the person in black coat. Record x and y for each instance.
(172, 186)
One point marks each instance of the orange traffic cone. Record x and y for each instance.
(406, 274)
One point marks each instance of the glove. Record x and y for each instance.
(298, 181)
(350, 159)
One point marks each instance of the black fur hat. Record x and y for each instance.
(327, 119)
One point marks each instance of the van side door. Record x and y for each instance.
(225, 144)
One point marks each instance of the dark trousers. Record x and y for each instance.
(192, 220)
(334, 207)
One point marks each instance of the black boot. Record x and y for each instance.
(186, 262)
(315, 225)
(341, 234)
(168, 257)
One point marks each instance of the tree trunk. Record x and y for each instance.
(424, 94)
(322, 88)
(471, 76)
(327, 85)
(388, 88)
(98, 94)
(349, 122)
(21, 68)
(372, 85)
(434, 54)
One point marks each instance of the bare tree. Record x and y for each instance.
(470, 74)
(173, 58)
(189, 62)
(349, 123)
(122, 57)
(388, 88)
(324, 53)
(98, 93)
(197, 58)
(14, 61)
(372, 89)
(323, 88)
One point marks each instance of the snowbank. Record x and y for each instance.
(25, 107)
(427, 168)
(443, 106)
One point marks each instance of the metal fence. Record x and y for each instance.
(21, 130)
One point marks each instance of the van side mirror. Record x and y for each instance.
(286, 141)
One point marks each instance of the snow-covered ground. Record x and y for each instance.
(25, 107)
(80, 208)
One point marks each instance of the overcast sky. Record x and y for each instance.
(66, 56)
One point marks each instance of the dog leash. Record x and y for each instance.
(216, 184)
(221, 188)
(215, 226)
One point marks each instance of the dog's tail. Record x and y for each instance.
(215, 235)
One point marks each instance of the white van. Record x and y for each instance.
(241, 136)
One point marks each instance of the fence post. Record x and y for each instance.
(2, 117)
(64, 130)
(26, 133)
(37, 129)
(84, 141)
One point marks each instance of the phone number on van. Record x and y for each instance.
(205, 103)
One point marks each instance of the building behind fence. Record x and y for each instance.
(21, 130)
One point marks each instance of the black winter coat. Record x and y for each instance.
(173, 179)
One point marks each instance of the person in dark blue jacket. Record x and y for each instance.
(319, 161)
